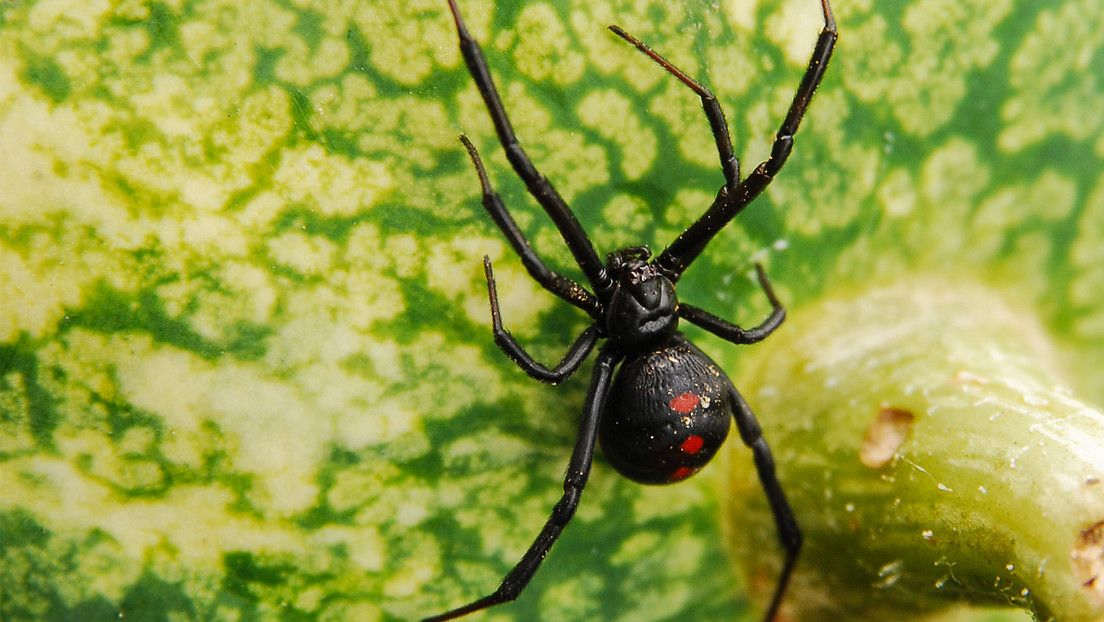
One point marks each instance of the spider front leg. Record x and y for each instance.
(574, 357)
(730, 200)
(788, 531)
(732, 333)
(549, 279)
(541, 189)
(729, 164)
(577, 472)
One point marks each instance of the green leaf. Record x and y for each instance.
(246, 369)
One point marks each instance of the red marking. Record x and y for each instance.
(685, 403)
(681, 474)
(691, 445)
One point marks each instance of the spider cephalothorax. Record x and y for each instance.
(643, 307)
(668, 408)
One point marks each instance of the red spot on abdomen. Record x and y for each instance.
(691, 445)
(684, 404)
(681, 474)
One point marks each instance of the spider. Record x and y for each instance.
(666, 411)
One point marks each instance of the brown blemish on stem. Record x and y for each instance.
(885, 436)
(1087, 558)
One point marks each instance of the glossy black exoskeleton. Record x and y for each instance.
(668, 413)
(669, 407)
(667, 410)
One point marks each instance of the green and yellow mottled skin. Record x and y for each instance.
(245, 358)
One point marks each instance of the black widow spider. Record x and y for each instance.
(667, 411)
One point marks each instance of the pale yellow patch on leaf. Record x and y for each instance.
(924, 80)
(1087, 257)
(303, 65)
(33, 299)
(1055, 80)
(68, 17)
(309, 255)
(794, 28)
(731, 73)
(897, 193)
(405, 46)
(411, 577)
(196, 521)
(741, 13)
(612, 115)
(629, 215)
(951, 180)
(681, 111)
(331, 184)
(544, 50)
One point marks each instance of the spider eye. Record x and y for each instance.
(628, 257)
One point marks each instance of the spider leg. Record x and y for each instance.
(574, 357)
(577, 471)
(549, 279)
(729, 164)
(538, 186)
(788, 531)
(732, 333)
(731, 201)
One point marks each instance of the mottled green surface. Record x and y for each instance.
(245, 365)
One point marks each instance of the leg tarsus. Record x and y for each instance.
(571, 360)
(764, 283)
(731, 332)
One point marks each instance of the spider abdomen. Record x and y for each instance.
(667, 414)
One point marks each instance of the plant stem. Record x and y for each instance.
(932, 456)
